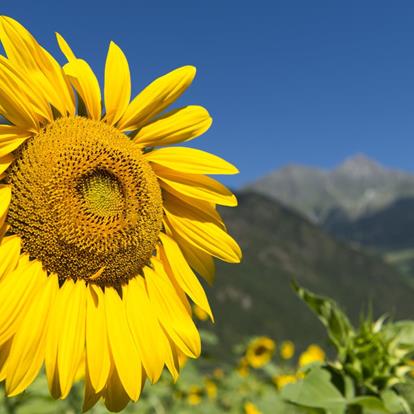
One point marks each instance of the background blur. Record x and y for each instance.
(313, 102)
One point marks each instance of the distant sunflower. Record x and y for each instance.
(260, 351)
(100, 229)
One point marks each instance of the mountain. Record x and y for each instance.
(255, 297)
(390, 228)
(357, 187)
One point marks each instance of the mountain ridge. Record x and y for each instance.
(358, 186)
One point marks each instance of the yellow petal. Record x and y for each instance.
(16, 292)
(57, 312)
(24, 52)
(4, 358)
(97, 349)
(90, 397)
(171, 312)
(156, 97)
(5, 227)
(190, 160)
(5, 198)
(80, 370)
(199, 230)
(5, 162)
(87, 86)
(160, 255)
(117, 84)
(176, 126)
(147, 333)
(207, 209)
(196, 186)
(182, 272)
(64, 47)
(14, 102)
(116, 398)
(33, 93)
(123, 349)
(6, 148)
(9, 255)
(10, 132)
(200, 261)
(71, 341)
(28, 347)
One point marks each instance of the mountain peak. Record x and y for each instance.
(360, 165)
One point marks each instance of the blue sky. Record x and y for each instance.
(309, 82)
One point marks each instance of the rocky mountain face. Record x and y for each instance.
(358, 187)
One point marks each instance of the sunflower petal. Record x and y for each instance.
(148, 335)
(72, 336)
(123, 349)
(97, 349)
(198, 229)
(117, 84)
(200, 261)
(4, 358)
(9, 255)
(156, 97)
(10, 132)
(14, 103)
(16, 292)
(190, 160)
(5, 198)
(65, 48)
(7, 148)
(196, 186)
(57, 312)
(160, 255)
(86, 84)
(177, 126)
(28, 347)
(90, 396)
(37, 101)
(183, 273)
(115, 396)
(24, 52)
(170, 310)
(5, 162)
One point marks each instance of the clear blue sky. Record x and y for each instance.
(288, 81)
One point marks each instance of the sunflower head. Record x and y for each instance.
(287, 349)
(104, 228)
(260, 351)
(313, 353)
(85, 202)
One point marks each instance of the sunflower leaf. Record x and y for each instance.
(338, 326)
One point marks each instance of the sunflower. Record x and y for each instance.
(313, 353)
(287, 349)
(102, 232)
(260, 351)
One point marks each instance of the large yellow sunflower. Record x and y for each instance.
(101, 231)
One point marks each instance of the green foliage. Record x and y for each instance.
(371, 362)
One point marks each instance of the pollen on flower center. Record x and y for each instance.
(102, 193)
(85, 199)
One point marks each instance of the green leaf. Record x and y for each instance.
(370, 404)
(316, 391)
(337, 323)
(349, 387)
(394, 402)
